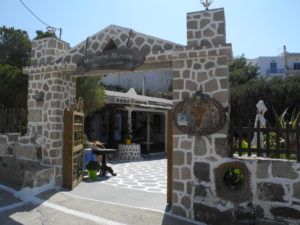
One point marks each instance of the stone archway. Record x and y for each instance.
(200, 65)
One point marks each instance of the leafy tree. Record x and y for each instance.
(41, 34)
(240, 72)
(15, 47)
(13, 91)
(277, 93)
(15, 50)
(92, 93)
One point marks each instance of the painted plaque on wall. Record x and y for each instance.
(121, 59)
(199, 115)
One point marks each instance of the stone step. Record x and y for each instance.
(20, 173)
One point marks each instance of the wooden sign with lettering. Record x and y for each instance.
(123, 59)
(200, 115)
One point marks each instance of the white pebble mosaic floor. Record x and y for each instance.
(149, 176)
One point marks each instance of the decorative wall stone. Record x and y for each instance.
(200, 147)
(283, 170)
(178, 186)
(185, 173)
(186, 202)
(296, 187)
(24, 151)
(270, 192)
(202, 171)
(245, 213)
(178, 158)
(179, 211)
(262, 169)
(286, 212)
(213, 216)
(201, 191)
(221, 147)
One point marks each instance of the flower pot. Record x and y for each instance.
(127, 141)
(92, 174)
(293, 146)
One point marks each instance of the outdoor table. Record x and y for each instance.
(104, 168)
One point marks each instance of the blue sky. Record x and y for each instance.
(254, 27)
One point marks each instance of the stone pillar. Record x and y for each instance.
(202, 65)
(50, 92)
(129, 119)
(206, 28)
(46, 49)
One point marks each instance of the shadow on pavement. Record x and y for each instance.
(14, 216)
(17, 207)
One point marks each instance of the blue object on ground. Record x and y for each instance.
(88, 156)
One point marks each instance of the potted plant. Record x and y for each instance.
(128, 139)
(293, 123)
(93, 167)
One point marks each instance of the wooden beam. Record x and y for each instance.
(170, 156)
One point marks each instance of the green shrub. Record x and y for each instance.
(93, 165)
(277, 93)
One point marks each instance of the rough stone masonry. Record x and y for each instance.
(270, 192)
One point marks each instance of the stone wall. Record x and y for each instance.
(206, 28)
(47, 49)
(21, 147)
(206, 69)
(20, 162)
(51, 90)
(45, 117)
(268, 194)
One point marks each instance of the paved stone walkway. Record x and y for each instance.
(150, 176)
(136, 196)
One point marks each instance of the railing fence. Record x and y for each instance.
(274, 142)
(13, 120)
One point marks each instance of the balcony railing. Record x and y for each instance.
(277, 72)
(292, 69)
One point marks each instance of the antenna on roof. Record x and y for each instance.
(206, 3)
(49, 28)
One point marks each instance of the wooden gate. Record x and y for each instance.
(73, 145)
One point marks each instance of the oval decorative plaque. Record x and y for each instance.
(200, 115)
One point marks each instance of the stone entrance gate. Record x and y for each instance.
(199, 163)
(202, 64)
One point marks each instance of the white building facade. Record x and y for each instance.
(149, 81)
(283, 65)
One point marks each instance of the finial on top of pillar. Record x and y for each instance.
(206, 3)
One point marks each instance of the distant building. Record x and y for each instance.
(150, 81)
(283, 65)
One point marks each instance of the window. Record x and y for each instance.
(157, 124)
(273, 67)
(129, 83)
(296, 66)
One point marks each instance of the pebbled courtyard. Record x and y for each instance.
(149, 176)
(137, 184)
